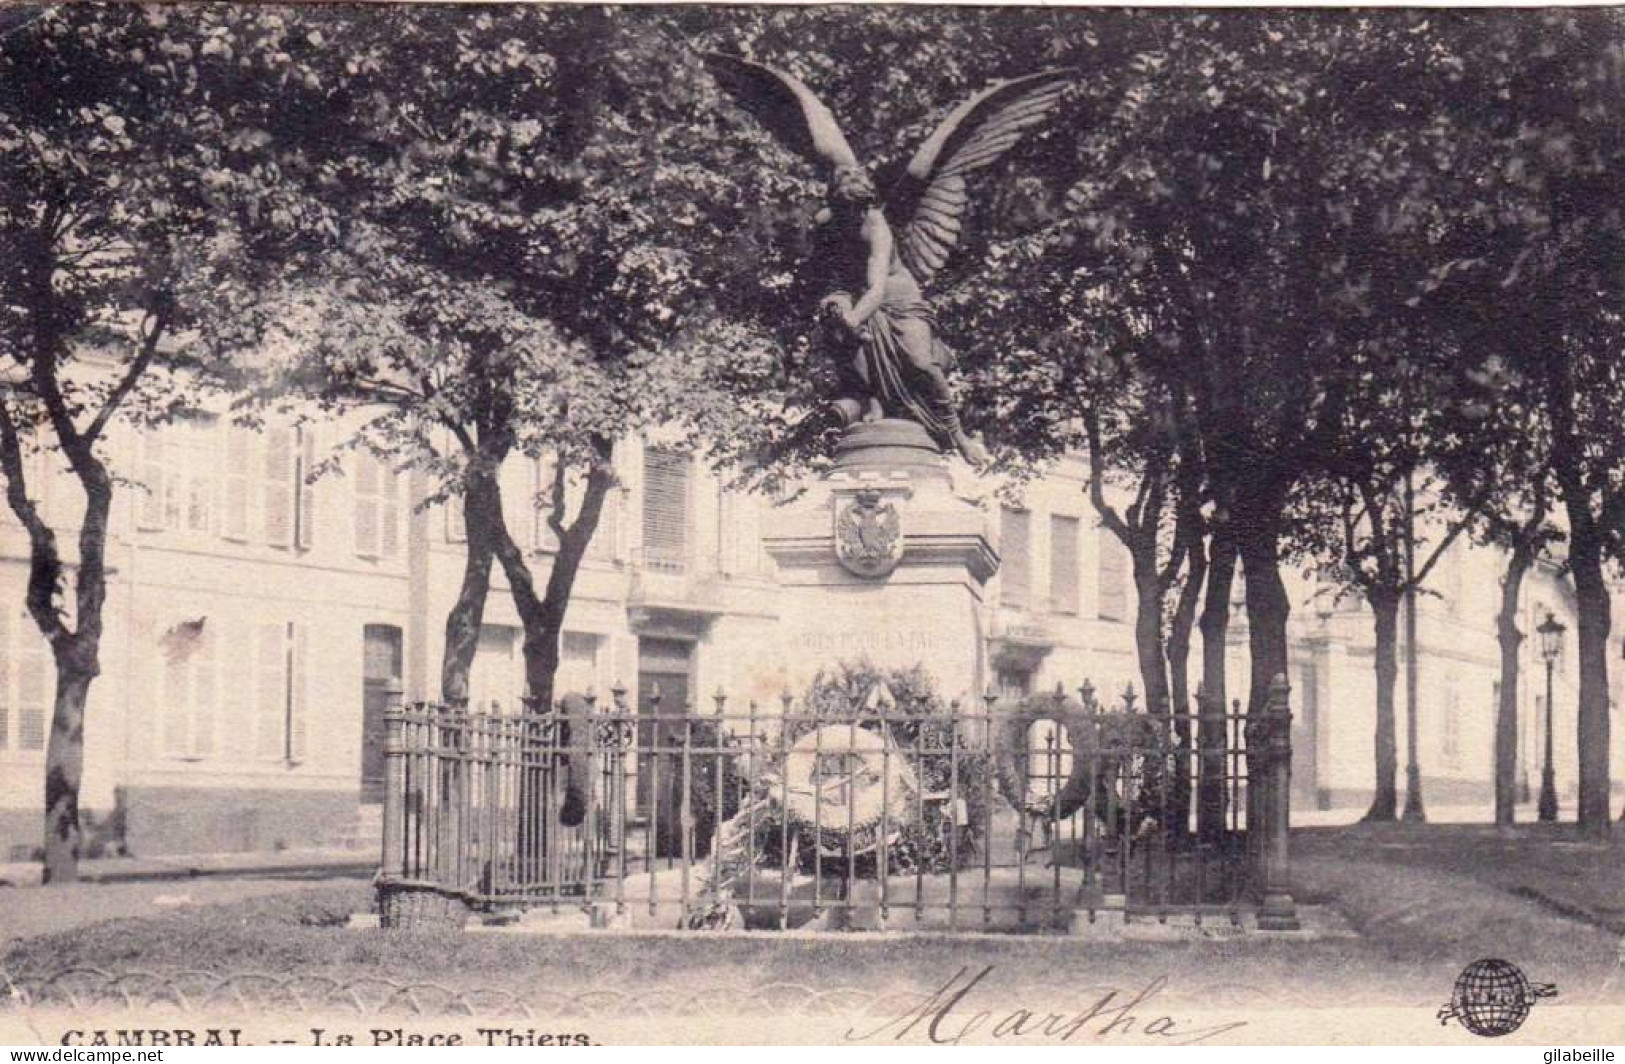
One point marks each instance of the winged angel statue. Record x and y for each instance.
(875, 276)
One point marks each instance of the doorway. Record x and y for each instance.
(380, 671)
(666, 666)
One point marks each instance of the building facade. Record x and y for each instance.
(256, 620)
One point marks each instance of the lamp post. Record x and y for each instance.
(1551, 644)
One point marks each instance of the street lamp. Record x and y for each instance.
(1551, 645)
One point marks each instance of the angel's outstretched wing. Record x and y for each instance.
(931, 196)
(785, 106)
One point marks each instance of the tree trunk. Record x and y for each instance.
(1591, 594)
(75, 653)
(543, 620)
(1148, 642)
(64, 768)
(1506, 712)
(1385, 612)
(1179, 655)
(1585, 564)
(543, 615)
(1211, 731)
(467, 614)
(1268, 610)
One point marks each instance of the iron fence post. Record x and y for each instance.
(1277, 911)
(391, 862)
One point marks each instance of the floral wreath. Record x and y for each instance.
(844, 782)
(1012, 753)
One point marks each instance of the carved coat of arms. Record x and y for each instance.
(868, 535)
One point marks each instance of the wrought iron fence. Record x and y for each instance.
(1024, 817)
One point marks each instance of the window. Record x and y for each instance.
(1450, 579)
(496, 679)
(277, 475)
(665, 507)
(1111, 591)
(739, 531)
(200, 474)
(25, 683)
(1450, 729)
(605, 539)
(456, 527)
(305, 487)
(1013, 683)
(578, 664)
(1063, 563)
(535, 502)
(377, 508)
(601, 547)
(189, 667)
(287, 499)
(279, 652)
(1015, 567)
(180, 467)
(236, 477)
(381, 653)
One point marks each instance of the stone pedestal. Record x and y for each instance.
(881, 560)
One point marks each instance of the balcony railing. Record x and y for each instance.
(663, 560)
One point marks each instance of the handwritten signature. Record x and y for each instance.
(949, 1017)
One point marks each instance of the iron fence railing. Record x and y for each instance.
(1022, 817)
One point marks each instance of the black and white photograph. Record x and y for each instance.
(537, 524)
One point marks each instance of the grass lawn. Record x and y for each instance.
(1425, 902)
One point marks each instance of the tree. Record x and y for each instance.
(533, 233)
(1226, 199)
(1222, 236)
(1378, 515)
(1532, 154)
(120, 172)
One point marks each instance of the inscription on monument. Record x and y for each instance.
(874, 640)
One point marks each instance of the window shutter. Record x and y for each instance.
(174, 476)
(578, 664)
(298, 691)
(237, 696)
(177, 701)
(235, 483)
(1112, 592)
(366, 505)
(204, 662)
(33, 687)
(605, 540)
(1063, 563)
(389, 513)
(277, 486)
(198, 472)
(150, 512)
(306, 488)
(1015, 568)
(665, 504)
(270, 694)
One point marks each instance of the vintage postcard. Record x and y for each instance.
(548, 524)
